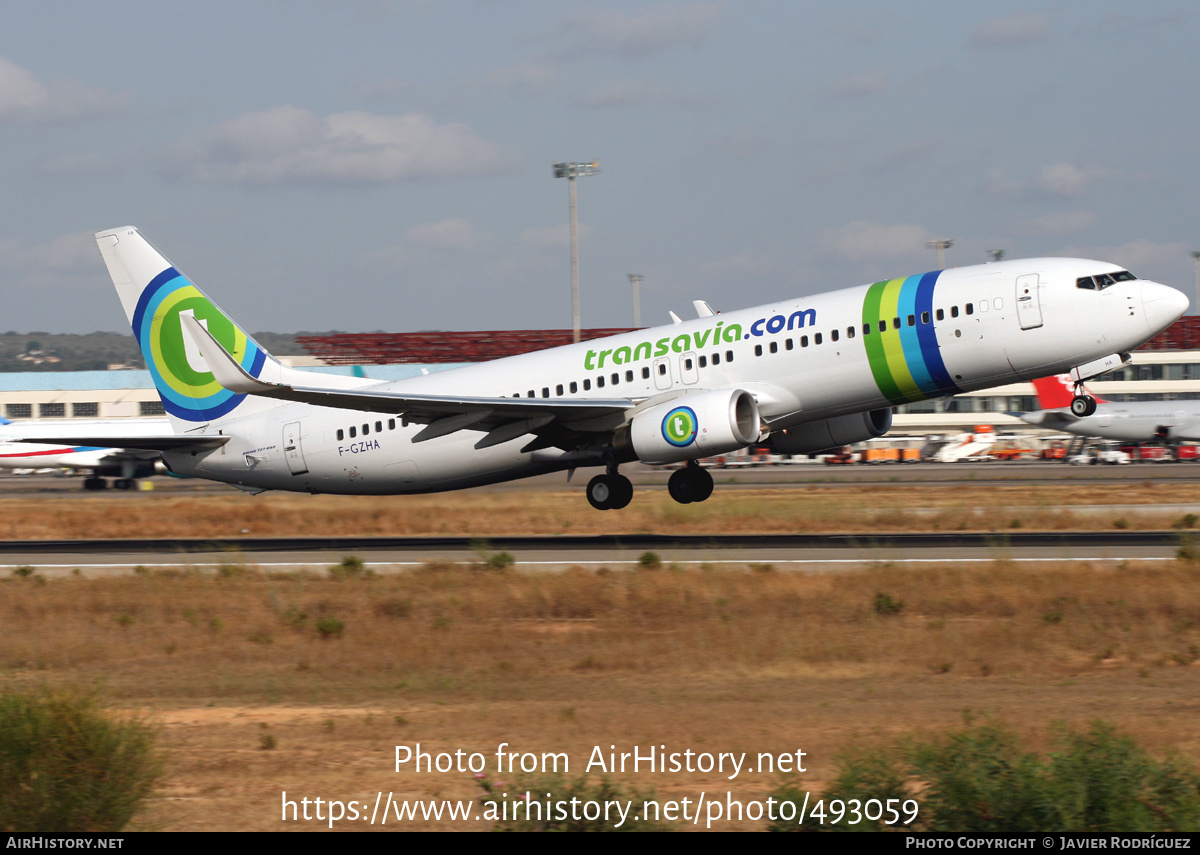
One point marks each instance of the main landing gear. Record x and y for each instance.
(95, 482)
(613, 491)
(690, 484)
(610, 491)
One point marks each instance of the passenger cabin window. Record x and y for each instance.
(941, 314)
(353, 433)
(954, 311)
(703, 361)
(628, 376)
(970, 307)
(341, 434)
(646, 373)
(816, 338)
(574, 387)
(587, 384)
(774, 347)
(833, 335)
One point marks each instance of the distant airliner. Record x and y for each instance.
(125, 464)
(810, 374)
(1133, 421)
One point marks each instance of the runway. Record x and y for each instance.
(812, 553)
(1023, 473)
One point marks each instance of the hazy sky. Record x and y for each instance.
(387, 165)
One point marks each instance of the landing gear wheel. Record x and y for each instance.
(94, 483)
(125, 484)
(625, 492)
(691, 484)
(1083, 406)
(609, 492)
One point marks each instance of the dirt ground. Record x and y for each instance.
(267, 690)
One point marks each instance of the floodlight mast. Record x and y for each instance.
(571, 171)
(941, 246)
(635, 280)
(1196, 262)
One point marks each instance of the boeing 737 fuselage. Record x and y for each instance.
(804, 375)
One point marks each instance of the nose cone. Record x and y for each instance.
(1164, 305)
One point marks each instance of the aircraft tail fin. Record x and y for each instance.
(1056, 392)
(155, 294)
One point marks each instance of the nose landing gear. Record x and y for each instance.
(1082, 405)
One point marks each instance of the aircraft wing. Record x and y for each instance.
(162, 442)
(503, 418)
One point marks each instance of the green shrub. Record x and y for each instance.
(886, 604)
(330, 627)
(650, 561)
(980, 780)
(499, 561)
(67, 765)
(351, 567)
(861, 775)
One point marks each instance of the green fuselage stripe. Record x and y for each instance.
(885, 350)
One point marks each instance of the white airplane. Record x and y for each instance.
(812, 373)
(1133, 421)
(102, 460)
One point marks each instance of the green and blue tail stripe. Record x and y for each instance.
(906, 362)
(186, 393)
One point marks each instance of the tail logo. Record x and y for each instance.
(187, 388)
(679, 427)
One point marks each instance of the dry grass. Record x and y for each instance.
(876, 507)
(702, 659)
(182, 633)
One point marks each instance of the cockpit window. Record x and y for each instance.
(1103, 280)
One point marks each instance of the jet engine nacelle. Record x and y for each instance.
(812, 437)
(693, 426)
